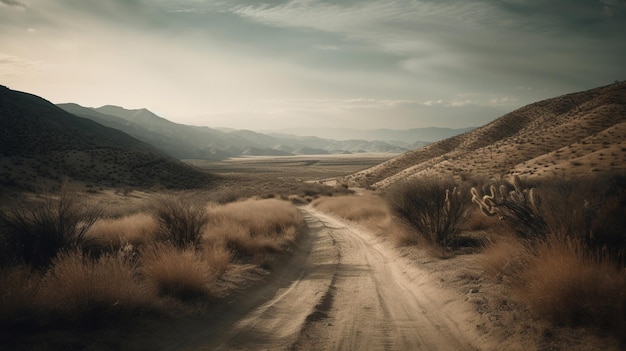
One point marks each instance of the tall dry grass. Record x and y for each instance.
(572, 285)
(574, 273)
(184, 273)
(254, 228)
(94, 291)
(369, 210)
(137, 229)
(355, 208)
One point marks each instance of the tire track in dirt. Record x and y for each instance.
(345, 290)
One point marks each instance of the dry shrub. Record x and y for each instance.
(19, 289)
(35, 235)
(355, 208)
(572, 287)
(183, 273)
(90, 291)
(369, 210)
(592, 209)
(254, 227)
(137, 229)
(504, 258)
(179, 222)
(435, 208)
(476, 221)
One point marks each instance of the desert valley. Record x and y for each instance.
(120, 229)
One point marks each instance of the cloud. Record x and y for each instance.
(13, 3)
(11, 65)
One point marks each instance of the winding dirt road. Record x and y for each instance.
(344, 290)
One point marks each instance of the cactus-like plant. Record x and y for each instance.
(520, 206)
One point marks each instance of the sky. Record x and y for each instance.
(268, 65)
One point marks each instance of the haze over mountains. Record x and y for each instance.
(40, 143)
(194, 142)
(42, 146)
(574, 134)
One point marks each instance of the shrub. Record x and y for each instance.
(254, 227)
(137, 229)
(34, 236)
(568, 284)
(179, 222)
(19, 289)
(435, 208)
(592, 209)
(92, 291)
(355, 208)
(183, 273)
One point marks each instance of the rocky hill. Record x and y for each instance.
(42, 146)
(573, 134)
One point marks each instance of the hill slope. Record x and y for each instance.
(42, 145)
(572, 134)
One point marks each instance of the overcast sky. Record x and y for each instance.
(296, 63)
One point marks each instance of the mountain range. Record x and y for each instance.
(574, 134)
(42, 146)
(193, 142)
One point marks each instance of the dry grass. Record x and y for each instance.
(570, 286)
(504, 258)
(183, 273)
(137, 229)
(86, 290)
(364, 208)
(254, 228)
(19, 291)
(369, 210)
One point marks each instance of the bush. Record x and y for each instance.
(591, 209)
(254, 227)
(183, 273)
(34, 236)
(568, 284)
(92, 291)
(355, 208)
(435, 208)
(179, 222)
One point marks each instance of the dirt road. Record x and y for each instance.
(345, 290)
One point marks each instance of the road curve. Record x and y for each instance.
(345, 290)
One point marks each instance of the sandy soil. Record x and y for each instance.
(345, 290)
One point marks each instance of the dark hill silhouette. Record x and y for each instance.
(572, 134)
(42, 145)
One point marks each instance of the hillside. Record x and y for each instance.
(42, 146)
(193, 142)
(572, 134)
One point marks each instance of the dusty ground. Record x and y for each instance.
(345, 289)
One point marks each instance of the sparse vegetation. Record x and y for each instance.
(35, 235)
(570, 270)
(434, 208)
(157, 260)
(179, 222)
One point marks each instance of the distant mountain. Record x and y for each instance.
(42, 146)
(192, 142)
(405, 137)
(574, 134)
